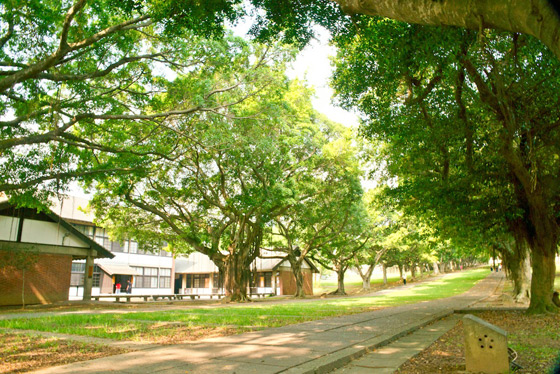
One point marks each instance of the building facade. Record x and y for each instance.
(159, 273)
(150, 272)
(36, 253)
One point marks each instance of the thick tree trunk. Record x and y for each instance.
(532, 17)
(23, 289)
(366, 279)
(340, 275)
(412, 272)
(544, 271)
(298, 274)
(236, 278)
(522, 282)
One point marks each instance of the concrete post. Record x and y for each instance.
(485, 346)
(88, 277)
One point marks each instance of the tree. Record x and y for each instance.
(380, 224)
(234, 177)
(316, 217)
(86, 83)
(456, 94)
(353, 236)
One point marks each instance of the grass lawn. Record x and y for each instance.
(239, 317)
(353, 285)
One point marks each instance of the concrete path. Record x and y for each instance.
(387, 359)
(311, 347)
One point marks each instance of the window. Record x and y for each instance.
(78, 274)
(164, 253)
(133, 247)
(201, 280)
(165, 278)
(217, 281)
(96, 276)
(268, 279)
(147, 277)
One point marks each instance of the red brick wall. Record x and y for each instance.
(47, 281)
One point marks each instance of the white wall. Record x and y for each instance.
(8, 228)
(52, 233)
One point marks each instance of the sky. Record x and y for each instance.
(313, 66)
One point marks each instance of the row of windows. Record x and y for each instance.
(198, 280)
(147, 278)
(129, 246)
(263, 279)
(152, 277)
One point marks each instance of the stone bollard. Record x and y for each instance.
(486, 348)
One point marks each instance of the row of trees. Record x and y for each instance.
(469, 123)
(131, 98)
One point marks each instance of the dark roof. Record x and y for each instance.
(41, 215)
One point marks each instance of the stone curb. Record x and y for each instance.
(344, 356)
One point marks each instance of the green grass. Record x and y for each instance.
(132, 325)
(352, 285)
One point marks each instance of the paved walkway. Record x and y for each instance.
(311, 347)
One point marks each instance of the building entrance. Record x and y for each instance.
(123, 280)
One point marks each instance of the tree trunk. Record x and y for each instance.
(298, 274)
(436, 268)
(340, 275)
(522, 285)
(544, 271)
(236, 278)
(384, 274)
(536, 18)
(412, 272)
(366, 278)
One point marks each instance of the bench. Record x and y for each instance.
(259, 295)
(118, 297)
(126, 296)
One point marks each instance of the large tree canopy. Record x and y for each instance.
(470, 124)
(83, 81)
(536, 18)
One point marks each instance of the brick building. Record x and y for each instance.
(36, 253)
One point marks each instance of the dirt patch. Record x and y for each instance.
(535, 339)
(20, 353)
(184, 334)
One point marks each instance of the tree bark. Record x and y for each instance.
(516, 261)
(340, 275)
(544, 271)
(412, 272)
(366, 277)
(436, 268)
(23, 289)
(532, 17)
(384, 274)
(236, 278)
(295, 264)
